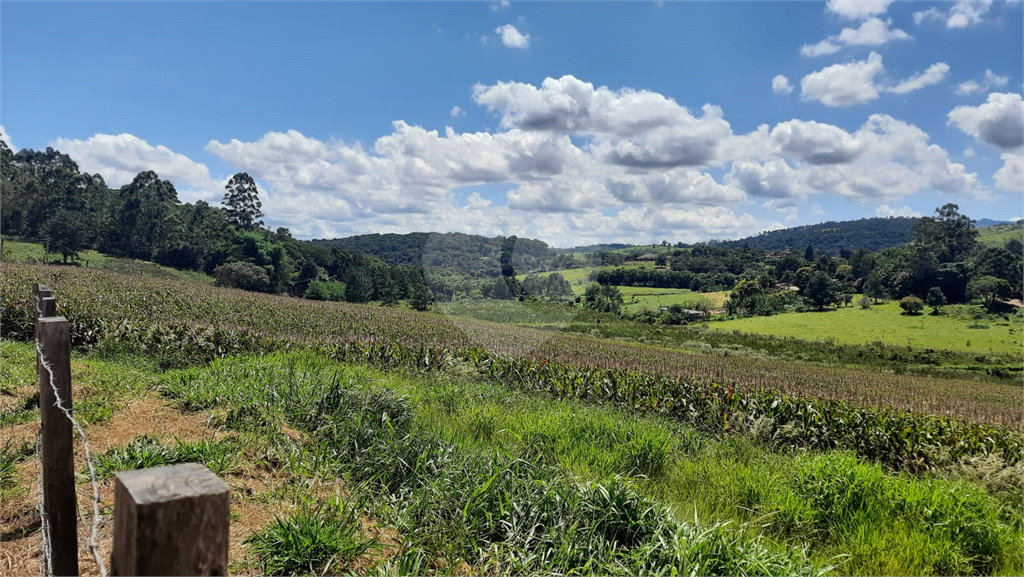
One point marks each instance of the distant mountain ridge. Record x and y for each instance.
(449, 252)
(987, 222)
(829, 237)
(473, 254)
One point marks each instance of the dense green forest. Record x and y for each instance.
(831, 237)
(828, 237)
(46, 196)
(454, 253)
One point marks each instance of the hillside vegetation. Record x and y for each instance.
(829, 237)
(999, 235)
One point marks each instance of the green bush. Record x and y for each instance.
(911, 305)
(242, 275)
(326, 291)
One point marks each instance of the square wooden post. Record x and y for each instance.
(170, 521)
(59, 499)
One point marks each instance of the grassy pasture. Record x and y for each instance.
(999, 235)
(830, 502)
(637, 299)
(886, 323)
(15, 251)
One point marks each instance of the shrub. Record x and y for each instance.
(936, 299)
(865, 302)
(911, 305)
(243, 275)
(326, 291)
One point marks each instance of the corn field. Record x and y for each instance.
(908, 421)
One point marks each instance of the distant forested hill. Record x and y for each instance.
(829, 237)
(473, 255)
(988, 222)
(593, 248)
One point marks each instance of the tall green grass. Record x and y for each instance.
(492, 510)
(509, 481)
(220, 456)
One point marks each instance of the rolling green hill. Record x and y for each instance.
(999, 235)
(829, 237)
(452, 252)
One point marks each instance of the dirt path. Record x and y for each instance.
(19, 524)
(255, 492)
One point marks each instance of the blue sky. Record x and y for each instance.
(569, 122)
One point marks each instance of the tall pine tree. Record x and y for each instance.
(242, 202)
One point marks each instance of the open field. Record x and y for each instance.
(164, 314)
(637, 299)
(15, 251)
(448, 474)
(955, 329)
(426, 442)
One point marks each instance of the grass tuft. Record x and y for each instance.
(315, 540)
(147, 451)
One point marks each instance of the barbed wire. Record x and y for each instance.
(93, 546)
(44, 518)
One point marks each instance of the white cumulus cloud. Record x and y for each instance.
(884, 158)
(587, 164)
(639, 129)
(933, 75)
(871, 32)
(781, 85)
(852, 83)
(998, 122)
(823, 48)
(511, 37)
(886, 211)
(991, 79)
(1011, 176)
(844, 84)
(120, 157)
(858, 9)
(961, 14)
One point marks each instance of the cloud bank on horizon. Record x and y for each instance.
(573, 162)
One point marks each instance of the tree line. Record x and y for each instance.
(942, 262)
(46, 196)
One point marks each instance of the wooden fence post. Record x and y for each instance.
(59, 497)
(170, 521)
(47, 307)
(39, 291)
